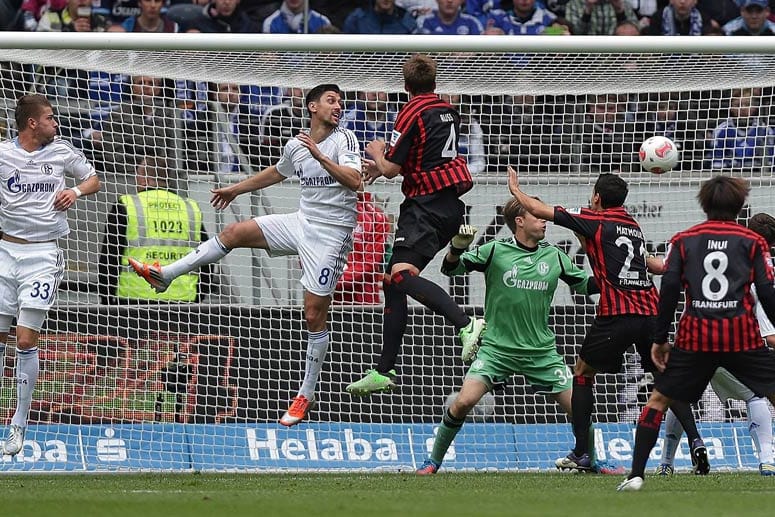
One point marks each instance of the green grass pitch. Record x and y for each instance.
(381, 495)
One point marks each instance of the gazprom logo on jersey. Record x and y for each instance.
(15, 186)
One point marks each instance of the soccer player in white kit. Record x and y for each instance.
(33, 205)
(328, 164)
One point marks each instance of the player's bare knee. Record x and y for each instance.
(658, 401)
(461, 407)
(315, 315)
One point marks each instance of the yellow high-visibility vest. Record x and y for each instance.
(161, 227)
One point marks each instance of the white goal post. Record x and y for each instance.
(129, 386)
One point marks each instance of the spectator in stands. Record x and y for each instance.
(644, 11)
(752, 21)
(627, 28)
(607, 139)
(279, 124)
(744, 140)
(33, 10)
(471, 139)
(372, 117)
(10, 19)
(481, 9)
(680, 18)
(361, 280)
(219, 16)
(524, 18)
(140, 125)
(336, 10)
(71, 16)
(118, 11)
(719, 12)
(150, 19)
(380, 17)
(234, 131)
(154, 224)
(419, 8)
(598, 18)
(289, 19)
(448, 19)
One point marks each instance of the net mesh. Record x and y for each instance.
(236, 355)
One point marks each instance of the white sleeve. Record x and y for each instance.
(285, 165)
(766, 327)
(348, 150)
(77, 165)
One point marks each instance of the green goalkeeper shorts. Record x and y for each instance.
(546, 373)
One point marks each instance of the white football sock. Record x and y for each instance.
(317, 345)
(212, 250)
(760, 427)
(27, 367)
(673, 433)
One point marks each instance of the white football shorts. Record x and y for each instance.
(29, 276)
(322, 248)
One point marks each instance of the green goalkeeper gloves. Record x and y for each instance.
(463, 239)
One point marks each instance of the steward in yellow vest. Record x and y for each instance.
(154, 225)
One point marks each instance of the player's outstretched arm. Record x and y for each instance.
(457, 246)
(223, 196)
(535, 206)
(379, 166)
(66, 198)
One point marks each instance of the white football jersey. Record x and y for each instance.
(29, 182)
(323, 198)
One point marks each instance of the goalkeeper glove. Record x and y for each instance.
(463, 239)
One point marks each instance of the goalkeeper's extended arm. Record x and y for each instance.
(457, 246)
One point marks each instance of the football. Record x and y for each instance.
(658, 154)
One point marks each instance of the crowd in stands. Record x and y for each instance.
(526, 17)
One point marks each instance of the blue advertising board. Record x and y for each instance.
(340, 446)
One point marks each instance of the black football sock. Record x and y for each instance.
(683, 412)
(430, 295)
(645, 437)
(582, 404)
(393, 326)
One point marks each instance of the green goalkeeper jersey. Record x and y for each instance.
(520, 285)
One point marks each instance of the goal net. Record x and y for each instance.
(200, 385)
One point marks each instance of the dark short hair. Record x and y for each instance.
(419, 74)
(513, 209)
(156, 167)
(29, 106)
(612, 190)
(317, 92)
(764, 225)
(722, 197)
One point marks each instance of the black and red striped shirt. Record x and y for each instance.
(425, 143)
(617, 254)
(715, 263)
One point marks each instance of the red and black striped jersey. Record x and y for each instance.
(425, 143)
(714, 263)
(617, 254)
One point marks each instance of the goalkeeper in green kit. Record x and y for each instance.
(521, 275)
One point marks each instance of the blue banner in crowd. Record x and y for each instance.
(336, 446)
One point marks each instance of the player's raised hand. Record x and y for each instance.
(464, 238)
(376, 148)
(310, 144)
(370, 171)
(64, 199)
(222, 197)
(513, 180)
(659, 355)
